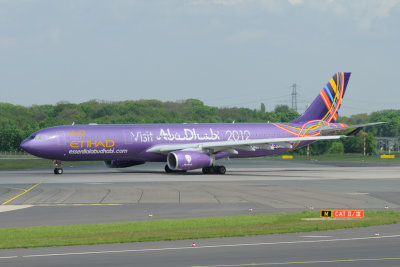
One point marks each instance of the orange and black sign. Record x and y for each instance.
(326, 213)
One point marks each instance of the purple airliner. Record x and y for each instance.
(192, 146)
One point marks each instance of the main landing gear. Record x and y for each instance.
(58, 169)
(168, 170)
(214, 170)
(206, 170)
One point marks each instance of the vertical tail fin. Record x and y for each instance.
(326, 106)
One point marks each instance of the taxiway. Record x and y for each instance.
(92, 194)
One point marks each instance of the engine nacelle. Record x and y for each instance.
(117, 163)
(188, 160)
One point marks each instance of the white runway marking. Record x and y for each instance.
(316, 236)
(6, 208)
(200, 247)
(100, 183)
(9, 257)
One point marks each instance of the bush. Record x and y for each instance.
(336, 148)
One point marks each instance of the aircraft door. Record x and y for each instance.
(129, 137)
(61, 139)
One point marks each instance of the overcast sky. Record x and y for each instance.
(223, 52)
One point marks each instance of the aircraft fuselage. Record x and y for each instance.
(131, 142)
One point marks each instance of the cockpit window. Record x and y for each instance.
(38, 137)
(41, 137)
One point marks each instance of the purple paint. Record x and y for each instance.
(184, 146)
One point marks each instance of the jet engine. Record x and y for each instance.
(121, 163)
(188, 160)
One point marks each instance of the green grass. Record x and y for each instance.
(23, 163)
(157, 230)
(339, 157)
(19, 162)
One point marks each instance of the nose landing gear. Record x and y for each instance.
(57, 169)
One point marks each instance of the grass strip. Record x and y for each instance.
(18, 162)
(346, 157)
(24, 163)
(8, 163)
(158, 230)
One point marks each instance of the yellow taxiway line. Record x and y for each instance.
(23, 193)
(76, 204)
(298, 262)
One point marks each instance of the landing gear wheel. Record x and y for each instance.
(221, 169)
(214, 169)
(167, 169)
(58, 171)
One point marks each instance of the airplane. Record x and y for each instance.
(186, 147)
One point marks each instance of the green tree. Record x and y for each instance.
(262, 108)
(336, 148)
(320, 147)
(370, 143)
(281, 109)
(18, 122)
(11, 138)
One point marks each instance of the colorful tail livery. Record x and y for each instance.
(327, 104)
(192, 146)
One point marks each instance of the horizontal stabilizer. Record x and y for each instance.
(357, 128)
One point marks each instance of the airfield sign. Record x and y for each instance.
(342, 213)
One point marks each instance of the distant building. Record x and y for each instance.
(390, 144)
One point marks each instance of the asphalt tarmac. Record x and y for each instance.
(93, 193)
(351, 247)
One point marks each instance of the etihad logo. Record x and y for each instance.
(80, 132)
(92, 144)
(188, 161)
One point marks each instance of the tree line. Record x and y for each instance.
(18, 122)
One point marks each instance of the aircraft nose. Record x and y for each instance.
(26, 145)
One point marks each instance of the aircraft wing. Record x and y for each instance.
(229, 146)
(357, 128)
